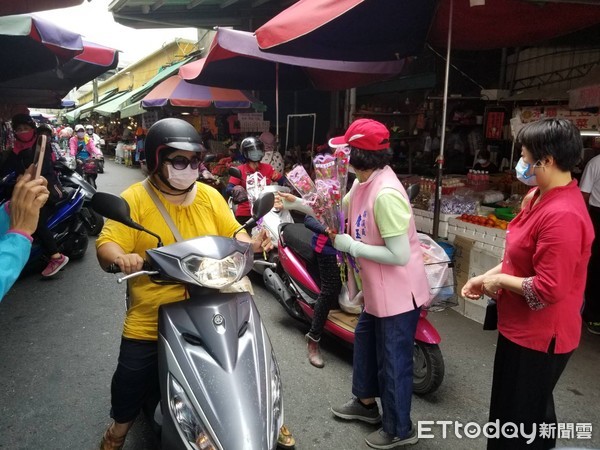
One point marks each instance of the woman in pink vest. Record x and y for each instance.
(539, 285)
(383, 241)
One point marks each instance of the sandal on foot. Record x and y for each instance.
(110, 441)
(285, 439)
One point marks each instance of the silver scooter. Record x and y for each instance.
(219, 379)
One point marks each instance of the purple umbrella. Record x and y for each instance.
(47, 88)
(29, 44)
(175, 91)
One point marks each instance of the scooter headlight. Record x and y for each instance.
(276, 400)
(186, 419)
(215, 273)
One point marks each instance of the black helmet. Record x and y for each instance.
(251, 148)
(44, 128)
(174, 133)
(22, 119)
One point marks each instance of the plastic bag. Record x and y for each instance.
(350, 305)
(437, 269)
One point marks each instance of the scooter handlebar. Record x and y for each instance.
(114, 268)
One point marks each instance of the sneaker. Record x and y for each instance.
(54, 265)
(380, 439)
(355, 410)
(593, 327)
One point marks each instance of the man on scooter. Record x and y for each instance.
(172, 156)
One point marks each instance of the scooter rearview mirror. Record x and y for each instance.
(234, 172)
(262, 205)
(260, 208)
(116, 208)
(412, 191)
(209, 157)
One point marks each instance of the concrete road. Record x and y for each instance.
(59, 343)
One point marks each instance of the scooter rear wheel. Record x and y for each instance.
(428, 368)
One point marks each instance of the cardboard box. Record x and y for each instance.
(462, 260)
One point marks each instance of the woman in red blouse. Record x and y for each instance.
(539, 285)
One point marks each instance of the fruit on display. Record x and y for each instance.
(490, 221)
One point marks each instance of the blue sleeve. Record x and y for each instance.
(14, 253)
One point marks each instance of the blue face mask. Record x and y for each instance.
(523, 175)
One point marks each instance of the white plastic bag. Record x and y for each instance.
(350, 305)
(436, 266)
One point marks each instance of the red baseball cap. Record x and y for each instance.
(365, 134)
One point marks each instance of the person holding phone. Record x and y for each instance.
(18, 220)
(21, 157)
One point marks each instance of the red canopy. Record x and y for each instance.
(9, 8)
(235, 61)
(385, 29)
(509, 23)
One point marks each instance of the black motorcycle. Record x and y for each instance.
(70, 178)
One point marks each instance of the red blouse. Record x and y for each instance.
(549, 244)
(266, 170)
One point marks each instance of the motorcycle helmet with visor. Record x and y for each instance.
(252, 149)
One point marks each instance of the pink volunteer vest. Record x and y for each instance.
(388, 290)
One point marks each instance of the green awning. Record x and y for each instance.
(132, 110)
(73, 116)
(129, 104)
(113, 104)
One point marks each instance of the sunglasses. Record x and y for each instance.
(181, 162)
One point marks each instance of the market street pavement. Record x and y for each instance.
(60, 339)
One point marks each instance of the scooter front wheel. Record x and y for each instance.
(428, 368)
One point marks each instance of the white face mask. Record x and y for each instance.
(482, 161)
(255, 155)
(182, 179)
(80, 134)
(523, 174)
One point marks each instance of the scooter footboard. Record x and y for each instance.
(215, 349)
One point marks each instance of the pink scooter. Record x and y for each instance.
(295, 288)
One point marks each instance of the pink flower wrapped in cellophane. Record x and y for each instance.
(299, 178)
(331, 176)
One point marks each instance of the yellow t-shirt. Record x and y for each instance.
(208, 214)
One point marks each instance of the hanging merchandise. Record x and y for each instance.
(148, 119)
(494, 124)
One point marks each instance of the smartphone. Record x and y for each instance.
(38, 157)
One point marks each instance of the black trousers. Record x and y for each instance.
(323, 268)
(42, 233)
(524, 380)
(591, 309)
(135, 381)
